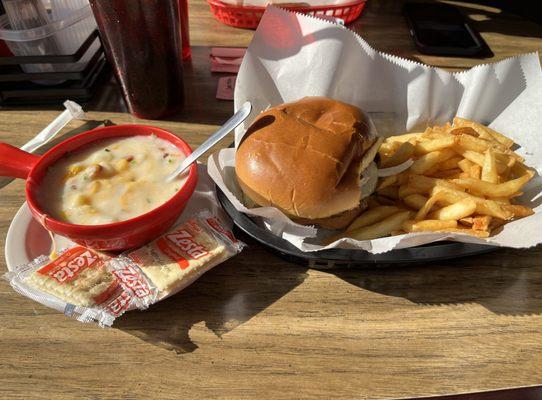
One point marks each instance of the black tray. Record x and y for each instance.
(28, 93)
(335, 258)
(14, 73)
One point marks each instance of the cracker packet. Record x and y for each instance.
(174, 260)
(92, 286)
(76, 283)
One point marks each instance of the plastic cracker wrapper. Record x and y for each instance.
(76, 283)
(174, 260)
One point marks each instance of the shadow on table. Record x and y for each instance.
(513, 25)
(507, 281)
(224, 298)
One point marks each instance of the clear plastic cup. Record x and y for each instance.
(58, 37)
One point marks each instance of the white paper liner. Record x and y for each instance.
(293, 55)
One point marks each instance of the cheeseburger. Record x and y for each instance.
(312, 159)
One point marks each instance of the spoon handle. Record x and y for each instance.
(230, 125)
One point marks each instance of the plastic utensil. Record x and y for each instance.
(72, 111)
(121, 235)
(230, 125)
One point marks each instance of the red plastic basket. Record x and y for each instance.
(249, 16)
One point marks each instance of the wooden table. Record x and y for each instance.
(258, 327)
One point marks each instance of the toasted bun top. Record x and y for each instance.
(305, 157)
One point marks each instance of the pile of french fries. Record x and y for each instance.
(463, 179)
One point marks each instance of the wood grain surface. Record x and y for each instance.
(258, 327)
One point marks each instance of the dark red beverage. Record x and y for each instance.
(142, 39)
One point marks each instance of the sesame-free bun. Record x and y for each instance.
(306, 158)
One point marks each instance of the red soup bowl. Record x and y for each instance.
(116, 236)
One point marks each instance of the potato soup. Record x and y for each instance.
(111, 180)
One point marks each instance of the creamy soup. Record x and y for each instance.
(111, 180)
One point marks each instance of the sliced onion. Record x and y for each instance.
(383, 172)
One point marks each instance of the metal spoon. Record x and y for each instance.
(230, 125)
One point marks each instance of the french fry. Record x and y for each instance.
(463, 130)
(452, 163)
(483, 206)
(427, 183)
(496, 223)
(402, 178)
(470, 155)
(429, 160)
(468, 221)
(415, 201)
(465, 165)
(478, 158)
(494, 189)
(493, 209)
(403, 153)
(386, 149)
(499, 137)
(431, 171)
(461, 209)
(372, 216)
(505, 159)
(489, 169)
(481, 222)
(502, 200)
(455, 173)
(428, 225)
(483, 131)
(481, 145)
(439, 143)
(472, 232)
(518, 210)
(442, 128)
(382, 228)
(514, 155)
(475, 171)
(407, 190)
(389, 191)
(385, 201)
(428, 132)
(519, 169)
(387, 181)
(429, 204)
(462, 181)
(404, 138)
(473, 143)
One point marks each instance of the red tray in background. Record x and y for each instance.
(249, 16)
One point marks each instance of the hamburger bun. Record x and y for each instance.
(306, 158)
